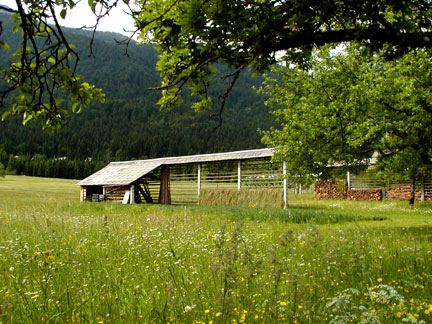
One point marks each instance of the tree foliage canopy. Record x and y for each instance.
(193, 35)
(351, 109)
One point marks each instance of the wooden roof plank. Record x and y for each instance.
(125, 173)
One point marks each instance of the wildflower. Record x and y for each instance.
(50, 258)
(218, 314)
(282, 303)
(47, 252)
(207, 311)
(24, 281)
(379, 279)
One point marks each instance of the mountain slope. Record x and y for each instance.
(129, 124)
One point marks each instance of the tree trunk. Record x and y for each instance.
(412, 196)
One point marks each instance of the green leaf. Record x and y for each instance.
(92, 4)
(74, 106)
(26, 118)
(5, 114)
(63, 13)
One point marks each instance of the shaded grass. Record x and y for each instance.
(297, 215)
(268, 197)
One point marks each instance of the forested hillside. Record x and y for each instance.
(129, 125)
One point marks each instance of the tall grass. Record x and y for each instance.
(64, 261)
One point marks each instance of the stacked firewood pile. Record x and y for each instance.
(337, 190)
(330, 190)
(403, 191)
(368, 194)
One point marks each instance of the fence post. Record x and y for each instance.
(239, 175)
(285, 185)
(348, 180)
(422, 192)
(199, 182)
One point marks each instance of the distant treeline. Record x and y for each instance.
(41, 166)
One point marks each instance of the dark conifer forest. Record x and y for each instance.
(129, 125)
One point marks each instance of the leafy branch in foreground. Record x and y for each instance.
(192, 36)
(42, 69)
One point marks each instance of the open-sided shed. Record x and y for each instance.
(182, 179)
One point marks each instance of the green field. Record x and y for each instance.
(62, 261)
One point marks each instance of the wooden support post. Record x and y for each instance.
(82, 194)
(199, 182)
(239, 176)
(132, 194)
(164, 191)
(285, 186)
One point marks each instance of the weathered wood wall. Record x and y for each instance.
(116, 193)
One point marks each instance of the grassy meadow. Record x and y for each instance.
(62, 261)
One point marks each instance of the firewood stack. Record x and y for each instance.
(402, 191)
(330, 190)
(368, 194)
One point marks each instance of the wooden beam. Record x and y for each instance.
(132, 194)
(82, 194)
(145, 193)
(126, 197)
(164, 191)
